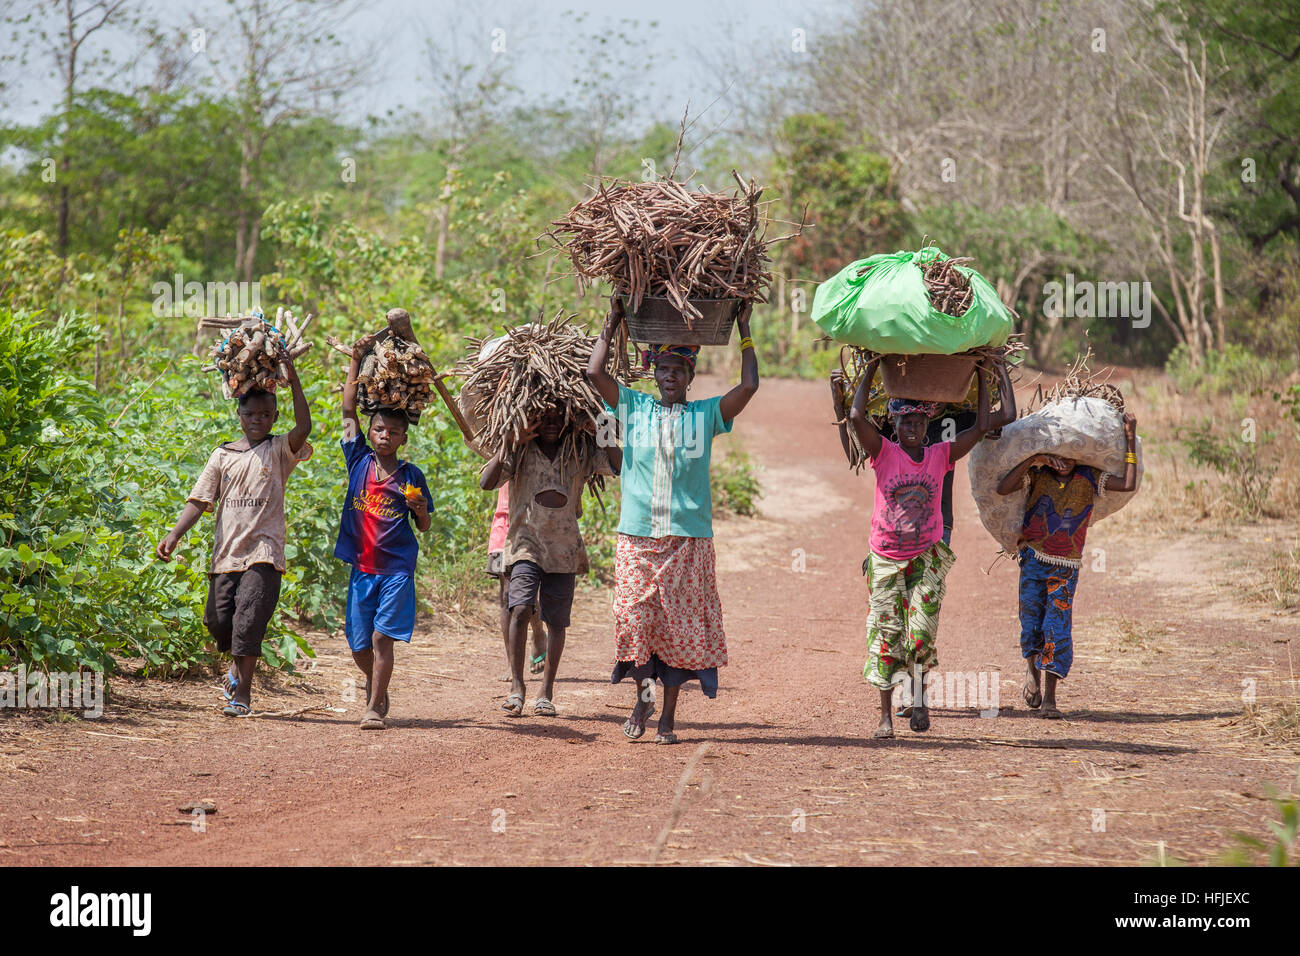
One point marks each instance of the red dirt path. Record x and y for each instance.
(790, 773)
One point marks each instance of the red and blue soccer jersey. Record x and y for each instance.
(375, 534)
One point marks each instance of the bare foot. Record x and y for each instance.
(920, 719)
(1048, 709)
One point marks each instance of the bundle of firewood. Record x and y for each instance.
(251, 355)
(949, 289)
(660, 239)
(533, 369)
(396, 373)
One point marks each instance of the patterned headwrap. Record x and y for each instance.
(906, 406)
(687, 352)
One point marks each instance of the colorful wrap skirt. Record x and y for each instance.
(903, 619)
(1046, 609)
(666, 607)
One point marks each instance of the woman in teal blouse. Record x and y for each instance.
(667, 616)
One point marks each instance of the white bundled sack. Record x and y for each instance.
(1088, 430)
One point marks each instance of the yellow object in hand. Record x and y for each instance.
(413, 494)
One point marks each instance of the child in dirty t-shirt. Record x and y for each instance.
(245, 481)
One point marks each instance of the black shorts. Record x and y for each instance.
(240, 605)
(529, 583)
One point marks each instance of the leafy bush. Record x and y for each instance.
(77, 582)
(1282, 849)
(1237, 461)
(1234, 368)
(735, 485)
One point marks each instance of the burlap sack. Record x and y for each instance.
(1089, 430)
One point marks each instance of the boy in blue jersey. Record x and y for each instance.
(384, 495)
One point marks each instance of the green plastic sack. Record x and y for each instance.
(887, 309)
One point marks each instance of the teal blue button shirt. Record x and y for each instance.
(665, 476)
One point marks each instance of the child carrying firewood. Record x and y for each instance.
(1060, 494)
(543, 552)
(384, 495)
(496, 568)
(245, 480)
(909, 560)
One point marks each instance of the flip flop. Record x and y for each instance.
(512, 708)
(543, 708)
(373, 723)
(236, 709)
(634, 729)
(903, 711)
(884, 733)
(537, 664)
(668, 738)
(1031, 695)
(920, 719)
(229, 685)
(1050, 713)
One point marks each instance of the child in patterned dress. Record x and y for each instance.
(909, 560)
(1060, 494)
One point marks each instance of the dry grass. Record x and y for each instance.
(1279, 584)
(1177, 492)
(1275, 720)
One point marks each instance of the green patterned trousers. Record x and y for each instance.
(904, 603)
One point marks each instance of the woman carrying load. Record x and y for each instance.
(667, 615)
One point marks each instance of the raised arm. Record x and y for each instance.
(351, 424)
(301, 410)
(1006, 414)
(1014, 480)
(967, 439)
(604, 383)
(841, 424)
(862, 427)
(734, 402)
(1130, 479)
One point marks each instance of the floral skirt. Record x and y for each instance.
(666, 603)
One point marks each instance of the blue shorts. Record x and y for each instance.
(379, 602)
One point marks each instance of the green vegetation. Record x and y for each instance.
(237, 167)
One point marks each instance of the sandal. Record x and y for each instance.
(236, 709)
(1032, 696)
(1050, 713)
(668, 738)
(537, 664)
(543, 708)
(514, 705)
(634, 729)
(884, 733)
(904, 711)
(229, 685)
(373, 723)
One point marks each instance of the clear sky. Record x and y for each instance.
(550, 43)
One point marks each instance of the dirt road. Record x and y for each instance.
(782, 765)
